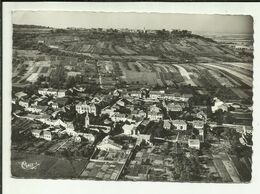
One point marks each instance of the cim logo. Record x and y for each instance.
(29, 166)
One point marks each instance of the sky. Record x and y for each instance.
(195, 22)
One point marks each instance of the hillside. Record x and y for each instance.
(123, 58)
(175, 46)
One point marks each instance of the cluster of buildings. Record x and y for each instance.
(134, 113)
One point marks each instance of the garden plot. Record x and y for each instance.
(111, 48)
(146, 66)
(222, 170)
(124, 50)
(240, 93)
(86, 48)
(245, 79)
(141, 77)
(99, 47)
(222, 73)
(33, 54)
(185, 75)
(231, 171)
(140, 66)
(221, 79)
(236, 68)
(133, 66)
(246, 66)
(162, 67)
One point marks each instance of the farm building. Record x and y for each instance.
(194, 143)
(179, 125)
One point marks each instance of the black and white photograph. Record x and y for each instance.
(132, 99)
(159, 97)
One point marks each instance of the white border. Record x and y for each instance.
(19, 186)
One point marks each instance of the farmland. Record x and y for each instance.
(134, 58)
(46, 166)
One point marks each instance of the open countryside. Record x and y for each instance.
(131, 105)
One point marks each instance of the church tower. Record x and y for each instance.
(86, 120)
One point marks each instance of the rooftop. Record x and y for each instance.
(178, 122)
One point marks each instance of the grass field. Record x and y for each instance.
(48, 166)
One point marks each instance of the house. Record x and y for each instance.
(47, 135)
(77, 139)
(197, 124)
(24, 103)
(174, 107)
(50, 102)
(194, 143)
(47, 91)
(42, 108)
(116, 93)
(136, 94)
(154, 108)
(73, 73)
(177, 97)
(20, 95)
(145, 137)
(55, 105)
(179, 125)
(59, 123)
(201, 135)
(82, 107)
(156, 94)
(130, 107)
(120, 103)
(219, 105)
(93, 109)
(79, 89)
(52, 92)
(142, 114)
(131, 119)
(36, 109)
(89, 136)
(118, 117)
(43, 91)
(166, 124)
(61, 93)
(96, 100)
(109, 111)
(44, 118)
(36, 133)
(201, 115)
(138, 113)
(154, 116)
(39, 100)
(168, 96)
(145, 122)
(129, 129)
(108, 144)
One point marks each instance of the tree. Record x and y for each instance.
(71, 82)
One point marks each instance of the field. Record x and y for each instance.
(152, 60)
(47, 166)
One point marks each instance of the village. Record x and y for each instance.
(132, 105)
(134, 135)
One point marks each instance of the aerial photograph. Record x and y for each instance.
(159, 97)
